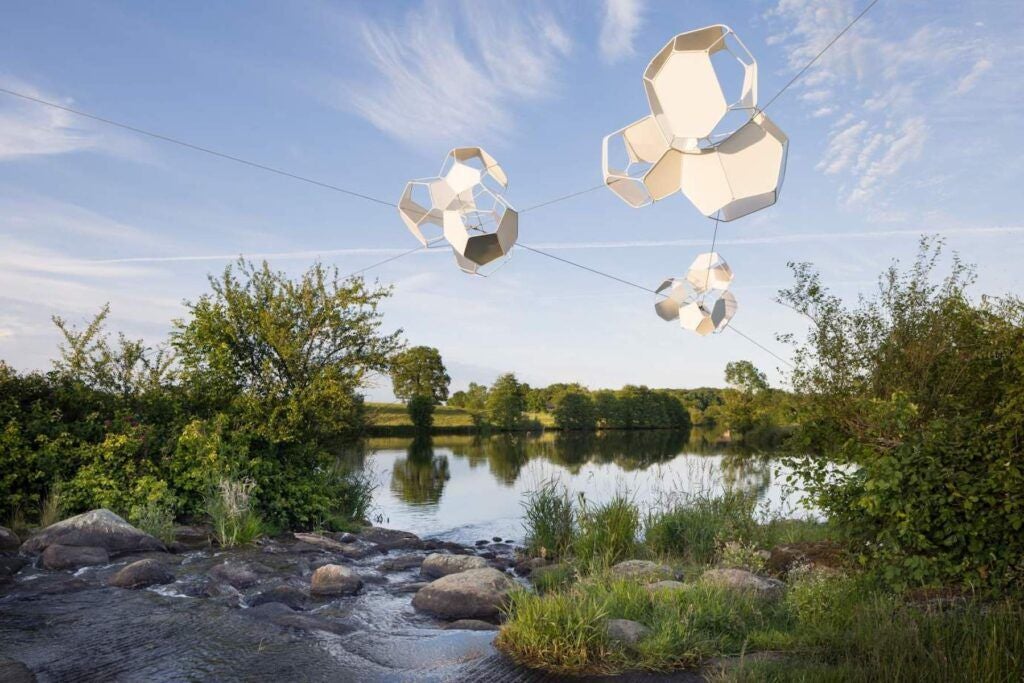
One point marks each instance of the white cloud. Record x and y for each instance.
(968, 82)
(455, 71)
(619, 27)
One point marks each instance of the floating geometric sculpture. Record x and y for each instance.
(464, 206)
(701, 301)
(724, 156)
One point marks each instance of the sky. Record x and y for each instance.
(910, 124)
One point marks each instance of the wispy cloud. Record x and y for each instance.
(455, 71)
(882, 84)
(619, 26)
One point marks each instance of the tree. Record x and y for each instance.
(506, 402)
(575, 411)
(744, 405)
(911, 418)
(419, 371)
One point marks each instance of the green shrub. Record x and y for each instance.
(607, 532)
(154, 517)
(231, 510)
(421, 412)
(695, 527)
(575, 411)
(549, 521)
(52, 509)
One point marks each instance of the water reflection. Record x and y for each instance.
(465, 486)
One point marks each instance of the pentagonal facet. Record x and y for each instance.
(700, 301)
(709, 271)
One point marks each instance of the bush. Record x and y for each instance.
(155, 518)
(421, 412)
(506, 402)
(549, 521)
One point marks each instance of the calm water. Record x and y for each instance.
(468, 488)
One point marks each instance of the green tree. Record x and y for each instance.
(911, 412)
(575, 411)
(744, 403)
(506, 402)
(419, 371)
(421, 412)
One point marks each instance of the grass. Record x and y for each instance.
(155, 519)
(234, 520)
(391, 417)
(549, 521)
(51, 510)
(828, 625)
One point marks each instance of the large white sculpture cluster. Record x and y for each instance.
(724, 155)
(701, 301)
(464, 206)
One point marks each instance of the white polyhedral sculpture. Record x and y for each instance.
(463, 205)
(724, 155)
(701, 301)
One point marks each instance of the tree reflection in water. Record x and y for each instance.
(419, 478)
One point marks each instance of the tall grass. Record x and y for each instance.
(695, 527)
(51, 510)
(607, 532)
(230, 507)
(156, 519)
(549, 521)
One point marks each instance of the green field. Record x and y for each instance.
(388, 416)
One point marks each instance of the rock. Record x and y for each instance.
(627, 632)
(335, 579)
(235, 574)
(641, 570)
(411, 587)
(72, 557)
(664, 586)
(437, 565)
(141, 574)
(496, 539)
(354, 551)
(487, 555)
(346, 537)
(9, 566)
(469, 625)
(401, 563)
(391, 539)
(782, 558)
(525, 566)
(290, 596)
(192, 536)
(282, 615)
(8, 539)
(472, 594)
(480, 543)
(13, 671)
(741, 579)
(373, 578)
(320, 541)
(93, 529)
(223, 593)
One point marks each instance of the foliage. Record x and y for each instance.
(912, 415)
(52, 509)
(154, 517)
(549, 521)
(506, 402)
(607, 532)
(231, 510)
(696, 526)
(575, 411)
(421, 412)
(419, 371)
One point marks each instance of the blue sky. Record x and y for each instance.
(911, 123)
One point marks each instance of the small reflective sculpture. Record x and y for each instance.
(464, 206)
(704, 136)
(701, 301)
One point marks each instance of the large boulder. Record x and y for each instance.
(8, 539)
(141, 574)
(401, 563)
(94, 529)
(641, 570)
(391, 539)
(436, 565)
(11, 565)
(235, 574)
(626, 632)
(335, 579)
(58, 556)
(742, 580)
(473, 594)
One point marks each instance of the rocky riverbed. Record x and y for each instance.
(92, 598)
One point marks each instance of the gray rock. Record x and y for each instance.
(13, 671)
(235, 574)
(320, 541)
(223, 593)
(141, 574)
(9, 566)
(641, 570)
(401, 563)
(627, 632)
(290, 596)
(94, 529)
(496, 539)
(192, 536)
(664, 586)
(72, 557)
(469, 625)
(346, 537)
(525, 566)
(335, 579)
(741, 579)
(411, 587)
(472, 594)
(391, 539)
(8, 539)
(436, 565)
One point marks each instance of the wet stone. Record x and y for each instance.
(470, 625)
(401, 563)
(72, 557)
(290, 596)
(141, 574)
(235, 574)
(8, 539)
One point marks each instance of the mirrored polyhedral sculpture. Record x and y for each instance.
(701, 301)
(705, 136)
(464, 206)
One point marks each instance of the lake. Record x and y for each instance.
(466, 488)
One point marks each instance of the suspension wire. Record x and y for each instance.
(563, 198)
(381, 263)
(650, 291)
(198, 148)
(714, 239)
(818, 56)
